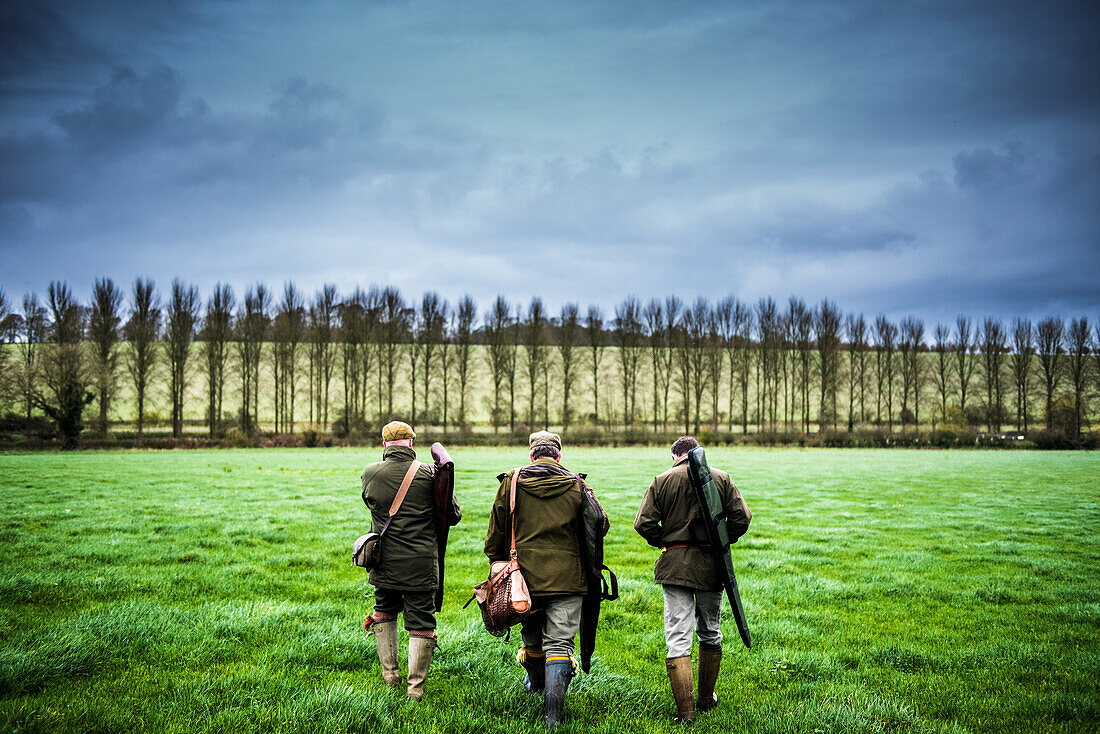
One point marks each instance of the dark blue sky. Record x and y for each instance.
(908, 158)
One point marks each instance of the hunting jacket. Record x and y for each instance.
(409, 560)
(670, 519)
(548, 532)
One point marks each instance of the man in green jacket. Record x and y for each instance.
(669, 518)
(548, 548)
(408, 576)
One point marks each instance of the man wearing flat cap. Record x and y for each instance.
(548, 548)
(407, 578)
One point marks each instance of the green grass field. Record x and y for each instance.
(888, 591)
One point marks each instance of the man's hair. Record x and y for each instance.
(683, 445)
(545, 450)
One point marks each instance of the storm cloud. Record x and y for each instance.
(906, 159)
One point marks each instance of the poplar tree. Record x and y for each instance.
(568, 333)
(464, 329)
(103, 330)
(217, 331)
(1023, 350)
(142, 331)
(1050, 342)
(182, 316)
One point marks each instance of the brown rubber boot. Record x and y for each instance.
(420, 659)
(710, 660)
(683, 687)
(385, 640)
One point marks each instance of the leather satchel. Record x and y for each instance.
(503, 598)
(367, 549)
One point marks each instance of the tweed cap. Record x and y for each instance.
(396, 430)
(545, 438)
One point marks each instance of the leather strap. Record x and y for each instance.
(404, 488)
(512, 509)
(401, 492)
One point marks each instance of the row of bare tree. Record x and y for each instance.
(662, 363)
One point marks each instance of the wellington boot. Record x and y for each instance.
(420, 659)
(709, 663)
(558, 673)
(683, 687)
(385, 640)
(535, 665)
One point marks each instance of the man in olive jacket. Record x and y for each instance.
(408, 576)
(548, 548)
(670, 519)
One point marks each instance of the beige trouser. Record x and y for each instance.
(687, 610)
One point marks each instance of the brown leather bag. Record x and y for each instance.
(503, 598)
(367, 549)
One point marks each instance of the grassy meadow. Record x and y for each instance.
(211, 591)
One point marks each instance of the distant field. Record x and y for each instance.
(210, 591)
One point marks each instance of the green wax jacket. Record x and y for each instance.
(670, 516)
(548, 533)
(409, 560)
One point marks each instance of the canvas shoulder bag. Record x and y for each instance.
(367, 549)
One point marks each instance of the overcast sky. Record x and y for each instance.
(906, 158)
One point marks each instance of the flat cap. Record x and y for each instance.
(396, 430)
(545, 438)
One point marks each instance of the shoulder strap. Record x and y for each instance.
(512, 508)
(404, 488)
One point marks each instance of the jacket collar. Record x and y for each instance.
(399, 453)
(683, 459)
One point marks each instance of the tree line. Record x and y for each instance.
(344, 362)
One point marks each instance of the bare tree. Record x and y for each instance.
(855, 328)
(533, 331)
(594, 329)
(433, 315)
(352, 331)
(673, 306)
(827, 321)
(323, 315)
(511, 363)
(180, 321)
(446, 358)
(287, 332)
(64, 373)
(714, 364)
(725, 312)
(741, 360)
(911, 338)
(801, 321)
(498, 323)
(394, 324)
(568, 337)
(654, 317)
(693, 335)
(1023, 351)
(885, 334)
(965, 343)
(992, 344)
(8, 329)
(103, 329)
(142, 331)
(768, 323)
(464, 329)
(1077, 342)
(1050, 342)
(941, 367)
(628, 330)
(35, 324)
(217, 331)
(253, 322)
